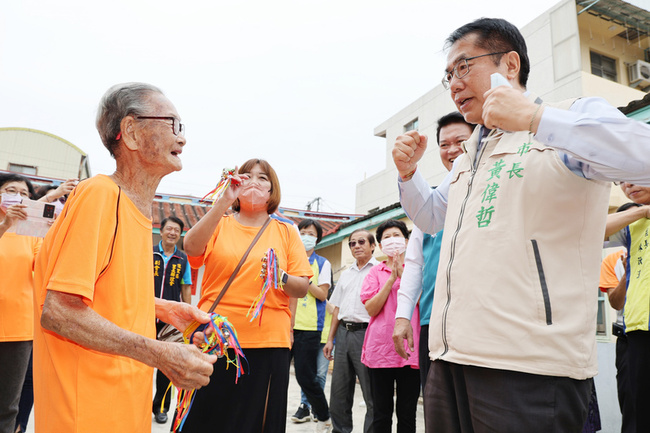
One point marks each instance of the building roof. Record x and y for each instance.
(635, 105)
(331, 222)
(635, 20)
(191, 209)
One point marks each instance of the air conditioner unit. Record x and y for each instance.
(639, 74)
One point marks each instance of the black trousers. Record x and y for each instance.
(257, 403)
(423, 354)
(623, 386)
(468, 399)
(306, 347)
(637, 360)
(383, 384)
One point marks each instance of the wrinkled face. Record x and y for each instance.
(638, 194)
(451, 139)
(171, 233)
(360, 246)
(467, 92)
(15, 187)
(160, 148)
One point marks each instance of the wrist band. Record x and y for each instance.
(532, 120)
(409, 175)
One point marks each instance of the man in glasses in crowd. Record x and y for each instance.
(95, 348)
(349, 322)
(513, 323)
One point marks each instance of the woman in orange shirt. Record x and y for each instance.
(17, 256)
(258, 401)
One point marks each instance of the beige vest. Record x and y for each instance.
(520, 260)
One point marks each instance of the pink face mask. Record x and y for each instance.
(254, 197)
(10, 200)
(393, 246)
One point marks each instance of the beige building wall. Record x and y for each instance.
(559, 43)
(46, 154)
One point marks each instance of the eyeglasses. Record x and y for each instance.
(177, 127)
(12, 190)
(353, 244)
(462, 68)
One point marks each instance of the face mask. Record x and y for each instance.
(58, 207)
(254, 197)
(308, 241)
(10, 200)
(393, 246)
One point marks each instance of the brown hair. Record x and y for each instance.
(274, 199)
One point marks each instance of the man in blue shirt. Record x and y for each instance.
(173, 281)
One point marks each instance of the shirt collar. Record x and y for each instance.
(162, 251)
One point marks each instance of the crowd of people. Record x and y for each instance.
(495, 284)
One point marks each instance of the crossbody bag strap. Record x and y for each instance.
(241, 262)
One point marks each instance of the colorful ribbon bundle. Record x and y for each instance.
(224, 183)
(220, 336)
(270, 278)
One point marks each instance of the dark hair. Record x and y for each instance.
(308, 223)
(626, 206)
(388, 224)
(43, 190)
(371, 238)
(13, 177)
(449, 119)
(274, 199)
(173, 219)
(120, 101)
(496, 35)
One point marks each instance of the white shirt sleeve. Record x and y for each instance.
(325, 274)
(411, 284)
(599, 140)
(426, 207)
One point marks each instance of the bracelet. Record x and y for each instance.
(409, 175)
(532, 120)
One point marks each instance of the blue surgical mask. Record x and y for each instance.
(308, 241)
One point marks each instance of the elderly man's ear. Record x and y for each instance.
(129, 132)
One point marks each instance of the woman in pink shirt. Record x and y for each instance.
(388, 370)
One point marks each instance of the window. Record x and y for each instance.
(25, 169)
(412, 125)
(603, 66)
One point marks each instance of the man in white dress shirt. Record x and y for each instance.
(349, 322)
(422, 255)
(512, 331)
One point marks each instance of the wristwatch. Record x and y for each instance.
(284, 278)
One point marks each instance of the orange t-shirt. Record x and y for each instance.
(223, 252)
(17, 256)
(608, 279)
(77, 389)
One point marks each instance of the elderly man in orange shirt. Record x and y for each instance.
(94, 339)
